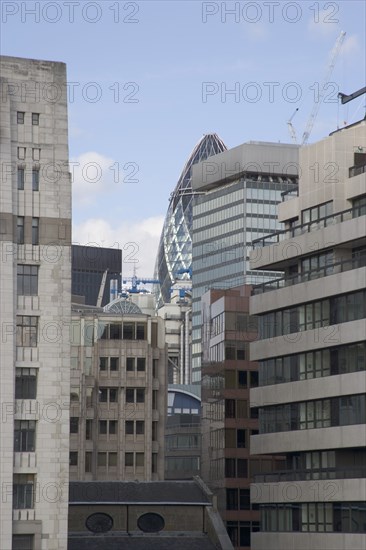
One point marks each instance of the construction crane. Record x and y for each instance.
(316, 107)
(346, 98)
(136, 281)
(101, 288)
(291, 128)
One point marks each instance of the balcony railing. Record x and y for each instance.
(290, 194)
(303, 475)
(356, 170)
(318, 273)
(331, 219)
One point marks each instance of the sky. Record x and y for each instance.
(147, 79)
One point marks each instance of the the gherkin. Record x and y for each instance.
(175, 246)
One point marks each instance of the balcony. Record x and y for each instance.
(356, 170)
(357, 472)
(318, 273)
(308, 227)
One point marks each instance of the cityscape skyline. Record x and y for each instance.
(146, 89)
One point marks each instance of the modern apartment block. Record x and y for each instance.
(118, 394)
(89, 264)
(35, 298)
(312, 355)
(237, 193)
(227, 420)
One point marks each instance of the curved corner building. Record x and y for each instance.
(175, 246)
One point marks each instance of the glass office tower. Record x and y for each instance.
(237, 196)
(175, 247)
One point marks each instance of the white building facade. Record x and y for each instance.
(35, 305)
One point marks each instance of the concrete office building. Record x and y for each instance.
(35, 297)
(237, 193)
(118, 394)
(312, 355)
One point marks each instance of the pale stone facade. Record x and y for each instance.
(35, 296)
(118, 395)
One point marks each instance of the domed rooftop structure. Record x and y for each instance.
(175, 246)
(122, 306)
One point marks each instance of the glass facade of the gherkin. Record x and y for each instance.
(175, 246)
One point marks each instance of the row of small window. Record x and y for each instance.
(20, 230)
(322, 413)
(125, 331)
(22, 153)
(338, 309)
(182, 441)
(317, 517)
(239, 499)
(110, 427)
(132, 395)
(230, 350)
(111, 395)
(242, 467)
(21, 118)
(229, 408)
(132, 364)
(314, 364)
(182, 464)
(21, 179)
(109, 460)
(230, 379)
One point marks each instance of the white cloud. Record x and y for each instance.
(138, 241)
(92, 175)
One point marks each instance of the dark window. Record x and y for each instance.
(140, 427)
(244, 499)
(113, 427)
(103, 363)
(113, 395)
(27, 331)
(73, 460)
(242, 379)
(88, 462)
(27, 280)
(102, 427)
(130, 395)
(25, 383)
(231, 499)
(35, 179)
(140, 332)
(140, 395)
(115, 332)
(20, 117)
(141, 362)
(130, 364)
(88, 429)
(128, 331)
(35, 231)
(240, 439)
(103, 395)
(230, 467)
(151, 522)
(20, 230)
(24, 436)
(35, 119)
(99, 523)
(129, 427)
(128, 459)
(74, 425)
(242, 467)
(20, 179)
(114, 363)
(230, 408)
(23, 542)
(23, 491)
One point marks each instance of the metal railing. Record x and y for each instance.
(308, 227)
(356, 170)
(318, 273)
(318, 473)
